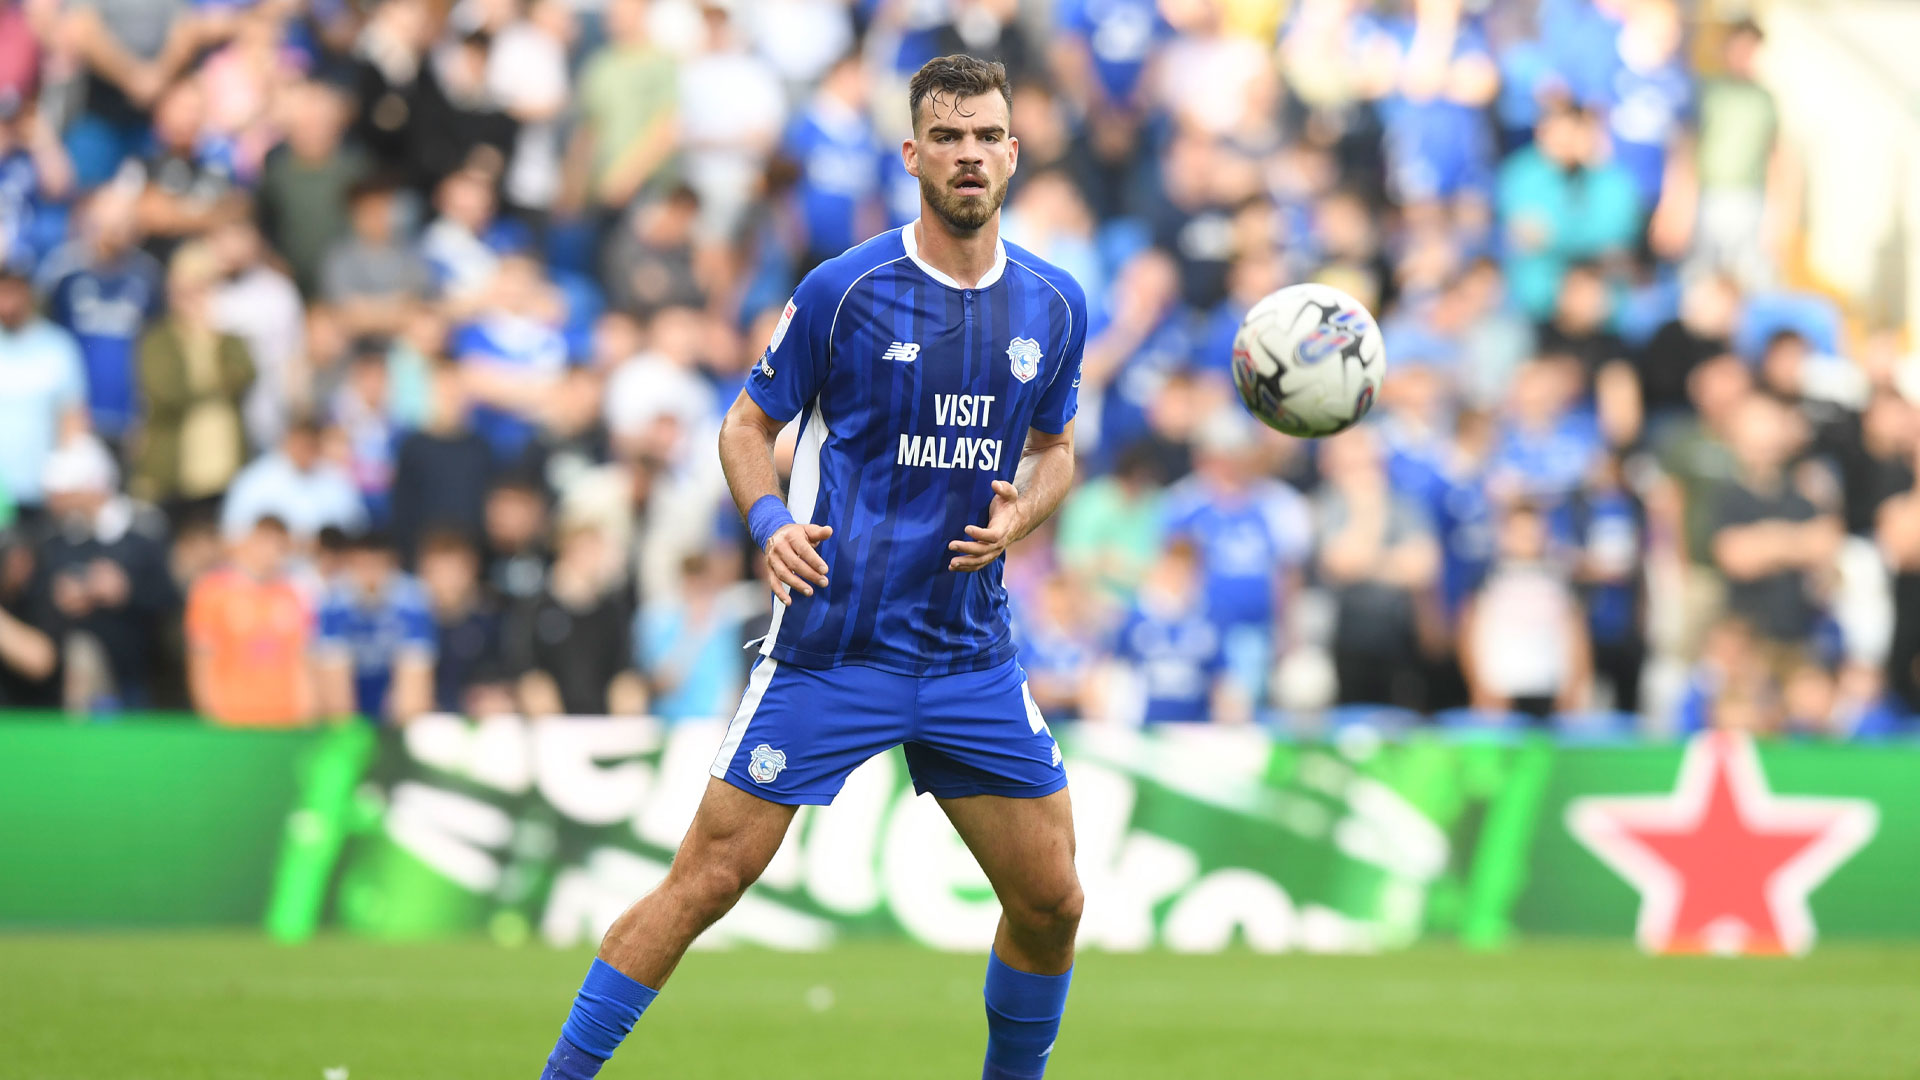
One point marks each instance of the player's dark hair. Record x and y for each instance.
(960, 76)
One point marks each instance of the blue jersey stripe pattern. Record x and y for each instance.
(914, 395)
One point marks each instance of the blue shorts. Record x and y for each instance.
(801, 731)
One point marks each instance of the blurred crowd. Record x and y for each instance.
(366, 358)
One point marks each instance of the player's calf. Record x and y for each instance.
(732, 839)
(648, 938)
(1028, 974)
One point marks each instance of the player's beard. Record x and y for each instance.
(964, 213)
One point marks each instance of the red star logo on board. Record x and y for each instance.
(1723, 865)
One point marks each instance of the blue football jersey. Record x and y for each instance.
(915, 394)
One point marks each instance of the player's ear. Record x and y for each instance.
(1013, 154)
(910, 156)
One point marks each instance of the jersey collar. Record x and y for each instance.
(986, 281)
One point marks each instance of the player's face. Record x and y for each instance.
(963, 154)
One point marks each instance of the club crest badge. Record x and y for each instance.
(765, 763)
(1025, 354)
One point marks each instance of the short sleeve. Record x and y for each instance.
(1471, 43)
(1062, 397)
(1407, 521)
(1215, 662)
(1290, 522)
(59, 303)
(417, 636)
(332, 627)
(794, 365)
(336, 276)
(1123, 641)
(1180, 513)
(470, 341)
(72, 390)
(202, 619)
(1734, 508)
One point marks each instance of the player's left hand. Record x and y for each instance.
(1003, 524)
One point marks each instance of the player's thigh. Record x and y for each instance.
(982, 749)
(1025, 846)
(980, 733)
(799, 732)
(733, 837)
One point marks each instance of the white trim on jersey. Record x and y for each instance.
(1056, 292)
(803, 490)
(757, 685)
(835, 324)
(986, 281)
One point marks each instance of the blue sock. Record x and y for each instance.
(603, 1012)
(1023, 1018)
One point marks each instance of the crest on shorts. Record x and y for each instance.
(765, 763)
(1025, 354)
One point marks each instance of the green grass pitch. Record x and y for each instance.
(230, 1007)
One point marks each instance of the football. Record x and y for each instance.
(1308, 360)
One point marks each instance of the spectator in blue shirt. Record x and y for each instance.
(1462, 511)
(514, 356)
(1057, 646)
(375, 648)
(1609, 536)
(104, 289)
(841, 162)
(1252, 533)
(35, 179)
(1254, 274)
(43, 387)
(360, 410)
(688, 645)
(1579, 35)
(1546, 447)
(1650, 101)
(1173, 660)
(1433, 75)
(464, 244)
(1103, 51)
(1130, 359)
(295, 485)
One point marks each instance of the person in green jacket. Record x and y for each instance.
(192, 380)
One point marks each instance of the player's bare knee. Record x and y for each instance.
(713, 886)
(1048, 913)
(704, 884)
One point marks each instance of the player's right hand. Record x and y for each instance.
(792, 562)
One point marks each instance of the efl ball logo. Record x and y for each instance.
(1338, 331)
(765, 763)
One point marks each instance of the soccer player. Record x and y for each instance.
(935, 371)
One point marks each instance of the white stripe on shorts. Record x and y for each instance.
(749, 704)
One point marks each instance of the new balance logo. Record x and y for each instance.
(903, 351)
